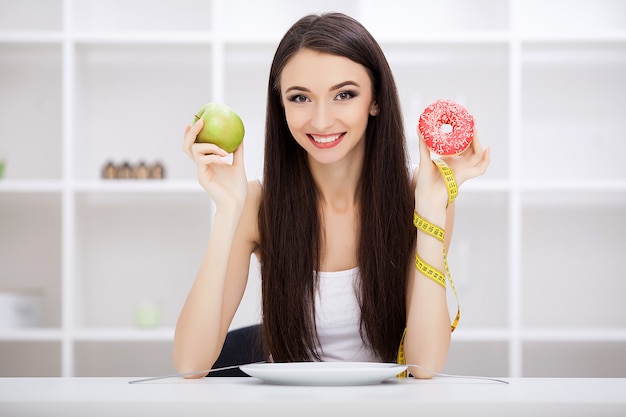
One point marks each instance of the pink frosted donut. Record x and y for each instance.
(446, 112)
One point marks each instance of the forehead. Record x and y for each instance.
(319, 71)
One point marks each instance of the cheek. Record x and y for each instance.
(294, 123)
(360, 119)
(296, 118)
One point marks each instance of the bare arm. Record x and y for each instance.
(222, 276)
(428, 321)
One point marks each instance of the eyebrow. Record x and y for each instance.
(333, 88)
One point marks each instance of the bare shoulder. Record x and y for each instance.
(255, 190)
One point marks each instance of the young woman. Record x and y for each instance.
(331, 221)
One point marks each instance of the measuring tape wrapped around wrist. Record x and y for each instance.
(438, 233)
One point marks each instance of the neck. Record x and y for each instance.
(337, 183)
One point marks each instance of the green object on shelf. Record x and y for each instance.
(1, 169)
(147, 314)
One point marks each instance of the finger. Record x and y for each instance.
(476, 145)
(484, 163)
(474, 152)
(481, 167)
(191, 132)
(204, 160)
(238, 155)
(198, 150)
(185, 146)
(424, 151)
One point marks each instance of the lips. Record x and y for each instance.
(326, 141)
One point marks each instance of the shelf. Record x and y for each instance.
(537, 240)
(585, 186)
(130, 359)
(399, 18)
(581, 276)
(119, 236)
(31, 335)
(246, 68)
(463, 333)
(471, 39)
(559, 334)
(144, 38)
(143, 124)
(475, 76)
(124, 334)
(30, 104)
(480, 334)
(571, 360)
(554, 146)
(579, 18)
(30, 250)
(608, 37)
(26, 37)
(480, 185)
(141, 15)
(478, 259)
(31, 15)
(30, 359)
(480, 358)
(137, 186)
(30, 186)
(241, 18)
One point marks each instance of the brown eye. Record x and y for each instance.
(345, 95)
(298, 98)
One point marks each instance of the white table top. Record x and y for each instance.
(535, 397)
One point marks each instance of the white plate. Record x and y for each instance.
(323, 373)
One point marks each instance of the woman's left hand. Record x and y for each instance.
(472, 163)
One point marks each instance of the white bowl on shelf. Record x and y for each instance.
(20, 309)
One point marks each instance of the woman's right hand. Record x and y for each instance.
(225, 182)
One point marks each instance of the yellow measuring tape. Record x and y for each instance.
(426, 269)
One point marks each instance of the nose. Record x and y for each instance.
(322, 117)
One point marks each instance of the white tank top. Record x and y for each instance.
(337, 316)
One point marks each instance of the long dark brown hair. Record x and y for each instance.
(289, 221)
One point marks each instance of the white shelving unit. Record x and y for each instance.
(538, 241)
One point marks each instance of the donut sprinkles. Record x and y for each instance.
(446, 112)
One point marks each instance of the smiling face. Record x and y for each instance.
(327, 100)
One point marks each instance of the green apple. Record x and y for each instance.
(222, 126)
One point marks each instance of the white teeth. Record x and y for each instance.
(325, 139)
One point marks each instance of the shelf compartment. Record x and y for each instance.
(477, 358)
(141, 15)
(30, 15)
(572, 111)
(30, 359)
(30, 253)
(250, 18)
(30, 109)
(399, 18)
(123, 359)
(132, 103)
(540, 17)
(573, 248)
(476, 76)
(478, 259)
(574, 360)
(134, 249)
